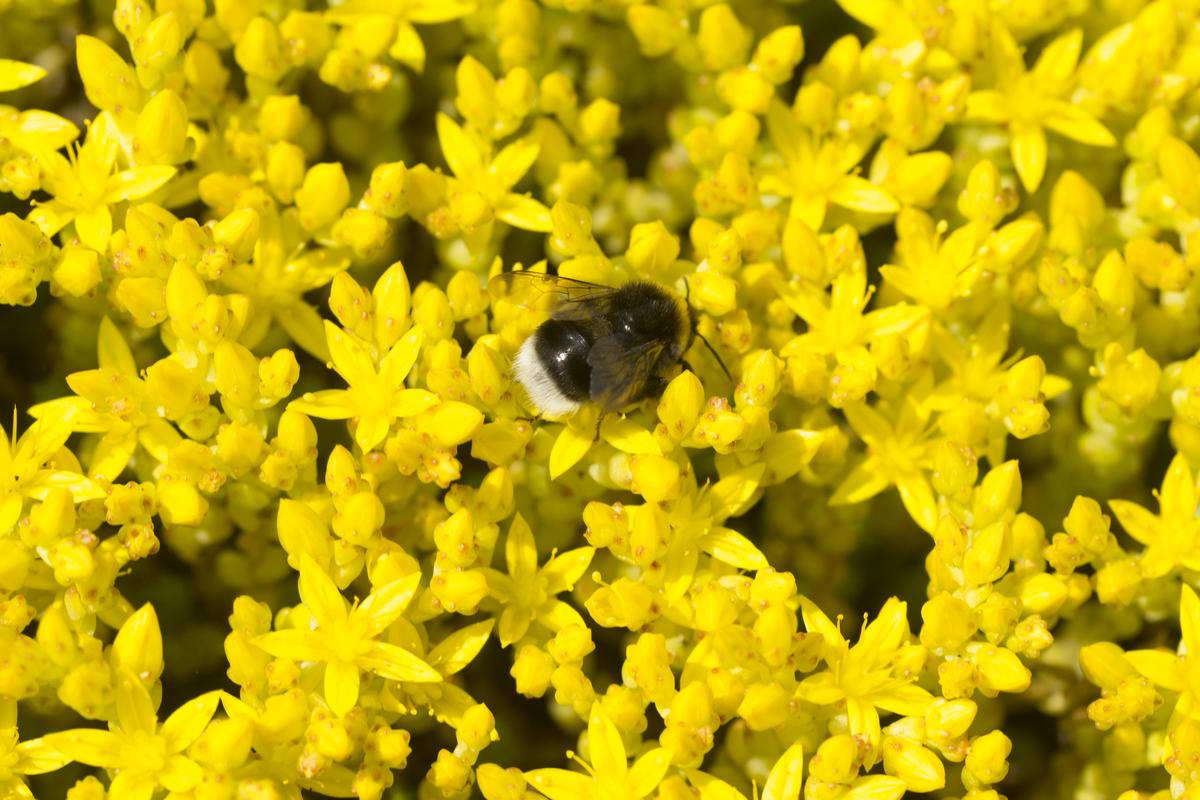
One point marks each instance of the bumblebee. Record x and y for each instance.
(604, 345)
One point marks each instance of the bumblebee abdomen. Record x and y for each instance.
(553, 367)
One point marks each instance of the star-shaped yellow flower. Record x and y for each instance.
(861, 676)
(1170, 535)
(898, 454)
(18, 759)
(819, 170)
(1177, 673)
(482, 187)
(87, 183)
(610, 776)
(1030, 101)
(345, 640)
(23, 470)
(376, 396)
(145, 755)
(529, 593)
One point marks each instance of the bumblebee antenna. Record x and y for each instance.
(724, 369)
(687, 296)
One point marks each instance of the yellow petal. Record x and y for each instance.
(16, 74)
(385, 604)
(396, 365)
(396, 663)
(460, 648)
(1029, 154)
(408, 47)
(137, 182)
(461, 152)
(326, 404)
(524, 212)
(431, 12)
(135, 709)
(511, 163)
(648, 771)
(860, 194)
(608, 752)
(712, 788)
(520, 551)
(294, 644)
(562, 784)
(988, 106)
(627, 436)
(1189, 618)
(320, 594)
(341, 685)
(784, 782)
(94, 226)
(1073, 122)
(571, 445)
(731, 547)
(187, 722)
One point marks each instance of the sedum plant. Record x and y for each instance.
(278, 521)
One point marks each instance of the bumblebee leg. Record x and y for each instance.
(687, 367)
(599, 419)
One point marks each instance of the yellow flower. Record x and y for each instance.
(933, 270)
(1169, 536)
(113, 401)
(407, 46)
(482, 187)
(1030, 101)
(145, 755)
(837, 324)
(1177, 673)
(897, 454)
(819, 170)
(783, 783)
(609, 775)
(276, 281)
(24, 473)
(17, 759)
(529, 593)
(376, 396)
(345, 640)
(861, 676)
(86, 184)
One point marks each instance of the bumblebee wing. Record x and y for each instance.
(567, 298)
(619, 372)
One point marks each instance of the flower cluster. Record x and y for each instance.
(941, 285)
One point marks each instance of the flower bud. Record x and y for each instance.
(571, 644)
(952, 470)
(285, 170)
(259, 51)
(778, 53)
(766, 705)
(108, 81)
(947, 623)
(161, 135)
(281, 117)
(625, 603)
(599, 123)
(652, 248)
(532, 669)
(323, 195)
(919, 768)
(476, 728)
(987, 759)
